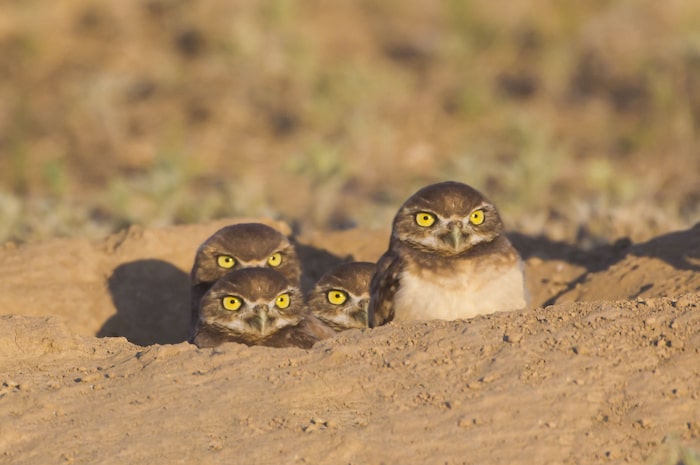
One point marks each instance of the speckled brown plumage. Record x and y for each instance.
(447, 259)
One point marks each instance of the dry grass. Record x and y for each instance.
(572, 117)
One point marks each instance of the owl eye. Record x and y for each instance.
(425, 219)
(231, 302)
(275, 260)
(225, 261)
(477, 217)
(336, 297)
(283, 301)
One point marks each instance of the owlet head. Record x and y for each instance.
(448, 218)
(341, 297)
(251, 304)
(244, 245)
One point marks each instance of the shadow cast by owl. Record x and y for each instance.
(680, 249)
(152, 302)
(315, 262)
(592, 259)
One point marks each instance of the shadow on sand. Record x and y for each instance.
(680, 249)
(152, 302)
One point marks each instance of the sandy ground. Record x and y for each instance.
(603, 367)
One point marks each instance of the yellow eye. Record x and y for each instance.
(425, 219)
(231, 302)
(477, 217)
(336, 297)
(225, 261)
(275, 260)
(282, 301)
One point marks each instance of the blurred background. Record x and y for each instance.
(580, 120)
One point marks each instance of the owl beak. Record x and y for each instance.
(361, 315)
(455, 238)
(261, 312)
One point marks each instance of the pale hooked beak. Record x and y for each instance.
(261, 312)
(361, 316)
(455, 238)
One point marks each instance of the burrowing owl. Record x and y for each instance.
(256, 306)
(340, 298)
(240, 246)
(447, 259)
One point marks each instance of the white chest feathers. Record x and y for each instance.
(467, 292)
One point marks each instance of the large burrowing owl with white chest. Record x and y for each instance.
(236, 247)
(447, 259)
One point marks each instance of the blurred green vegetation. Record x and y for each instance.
(578, 119)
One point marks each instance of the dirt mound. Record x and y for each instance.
(665, 266)
(603, 379)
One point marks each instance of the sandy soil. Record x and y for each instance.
(600, 370)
